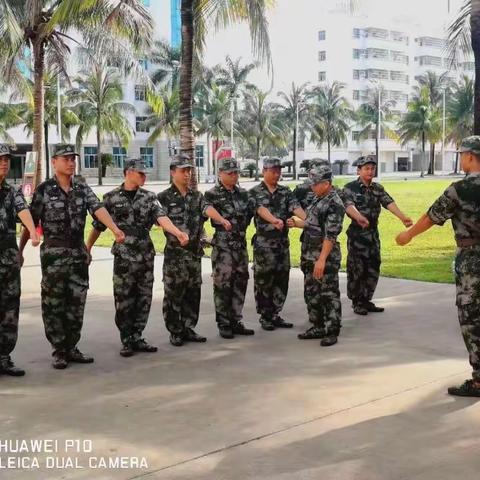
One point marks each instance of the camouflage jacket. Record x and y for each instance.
(281, 203)
(303, 194)
(461, 203)
(186, 213)
(135, 218)
(324, 221)
(237, 207)
(12, 202)
(63, 215)
(367, 200)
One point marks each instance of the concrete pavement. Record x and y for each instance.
(373, 407)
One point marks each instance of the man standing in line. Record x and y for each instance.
(363, 244)
(60, 204)
(182, 263)
(135, 210)
(229, 255)
(321, 258)
(273, 205)
(460, 203)
(12, 204)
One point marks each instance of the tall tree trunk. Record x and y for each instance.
(422, 162)
(376, 155)
(99, 149)
(187, 139)
(294, 156)
(47, 151)
(257, 159)
(328, 150)
(431, 167)
(456, 160)
(475, 28)
(209, 155)
(38, 106)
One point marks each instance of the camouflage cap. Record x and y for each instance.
(136, 165)
(470, 144)
(361, 161)
(272, 163)
(319, 161)
(228, 165)
(181, 161)
(5, 150)
(319, 173)
(64, 149)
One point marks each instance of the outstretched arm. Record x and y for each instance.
(407, 221)
(423, 224)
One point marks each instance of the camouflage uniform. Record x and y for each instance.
(11, 203)
(324, 221)
(64, 258)
(229, 255)
(271, 252)
(363, 244)
(461, 203)
(133, 260)
(182, 266)
(302, 192)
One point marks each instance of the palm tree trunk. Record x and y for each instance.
(187, 140)
(99, 150)
(38, 106)
(47, 152)
(456, 160)
(376, 155)
(209, 155)
(431, 168)
(423, 155)
(475, 29)
(328, 150)
(294, 156)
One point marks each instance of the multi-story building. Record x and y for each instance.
(364, 56)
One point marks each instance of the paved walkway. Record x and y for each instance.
(373, 407)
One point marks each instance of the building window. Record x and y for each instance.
(355, 136)
(90, 157)
(140, 93)
(199, 155)
(119, 156)
(356, 33)
(356, 94)
(140, 125)
(359, 74)
(322, 35)
(146, 153)
(322, 76)
(322, 56)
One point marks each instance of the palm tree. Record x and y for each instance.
(460, 112)
(368, 116)
(295, 105)
(97, 101)
(435, 85)
(332, 115)
(233, 76)
(10, 116)
(163, 117)
(196, 18)
(259, 124)
(211, 116)
(167, 60)
(42, 28)
(464, 37)
(419, 122)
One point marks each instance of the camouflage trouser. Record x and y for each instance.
(467, 279)
(132, 291)
(182, 280)
(64, 292)
(9, 300)
(230, 280)
(322, 297)
(271, 273)
(363, 265)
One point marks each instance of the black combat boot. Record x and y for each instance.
(312, 333)
(240, 329)
(279, 322)
(371, 307)
(226, 332)
(331, 338)
(192, 336)
(142, 346)
(59, 359)
(127, 350)
(267, 324)
(7, 367)
(76, 356)
(469, 388)
(176, 339)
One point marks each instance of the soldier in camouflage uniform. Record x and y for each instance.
(12, 204)
(135, 210)
(321, 257)
(363, 244)
(460, 203)
(273, 205)
(302, 192)
(60, 205)
(229, 255)
(182, 264)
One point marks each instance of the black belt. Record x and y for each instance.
(8, 241)
(63, 243)
(269, 234)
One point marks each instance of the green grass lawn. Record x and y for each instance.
(428, 258)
